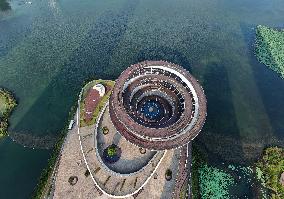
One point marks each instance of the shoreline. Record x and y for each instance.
(47, 175)
(9, 103)
(47, 179)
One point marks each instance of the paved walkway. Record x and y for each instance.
(131, 159)
(72, 164)
(108, 180)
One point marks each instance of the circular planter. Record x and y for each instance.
(112, 153)
(105, 130)
(168, 174)
(142, 150)
(155, 175)
(73, 180)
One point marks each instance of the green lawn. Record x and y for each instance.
(269, 48)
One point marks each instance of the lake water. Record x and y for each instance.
(50, 47)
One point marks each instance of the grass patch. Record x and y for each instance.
(269, 169)
(269, 48)
(7, 104)
(103, 100)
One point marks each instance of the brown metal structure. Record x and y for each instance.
(157, 105)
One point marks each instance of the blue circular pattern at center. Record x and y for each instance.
(152, 110)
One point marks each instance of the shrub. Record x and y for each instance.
(270, 167)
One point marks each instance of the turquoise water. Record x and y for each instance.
(49, 48)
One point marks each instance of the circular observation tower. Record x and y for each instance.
(157, 105)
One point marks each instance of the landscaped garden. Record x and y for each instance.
(112, 153)
(7, 104)
(270, 167)
(109, 85)
(269, 48)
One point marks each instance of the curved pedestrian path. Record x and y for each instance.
(131, 159)
(143, 176)
(109, 182)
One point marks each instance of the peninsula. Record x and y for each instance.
(134, 136)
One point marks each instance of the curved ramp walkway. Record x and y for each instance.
(111, 183)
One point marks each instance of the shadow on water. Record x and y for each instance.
(163, 53)
(87, 62)
(33, 141)
(220, 132)
(270, 87)
(271, 90)
(220, 136)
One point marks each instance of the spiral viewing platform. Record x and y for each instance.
(157, 105)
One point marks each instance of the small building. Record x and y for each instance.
(100, 88)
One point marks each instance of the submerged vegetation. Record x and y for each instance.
(269, 169)
(262, 178)
(4, 5)
(269, 48)
(223, 181)
(7, 104)
(214, 183)
(208, 181)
